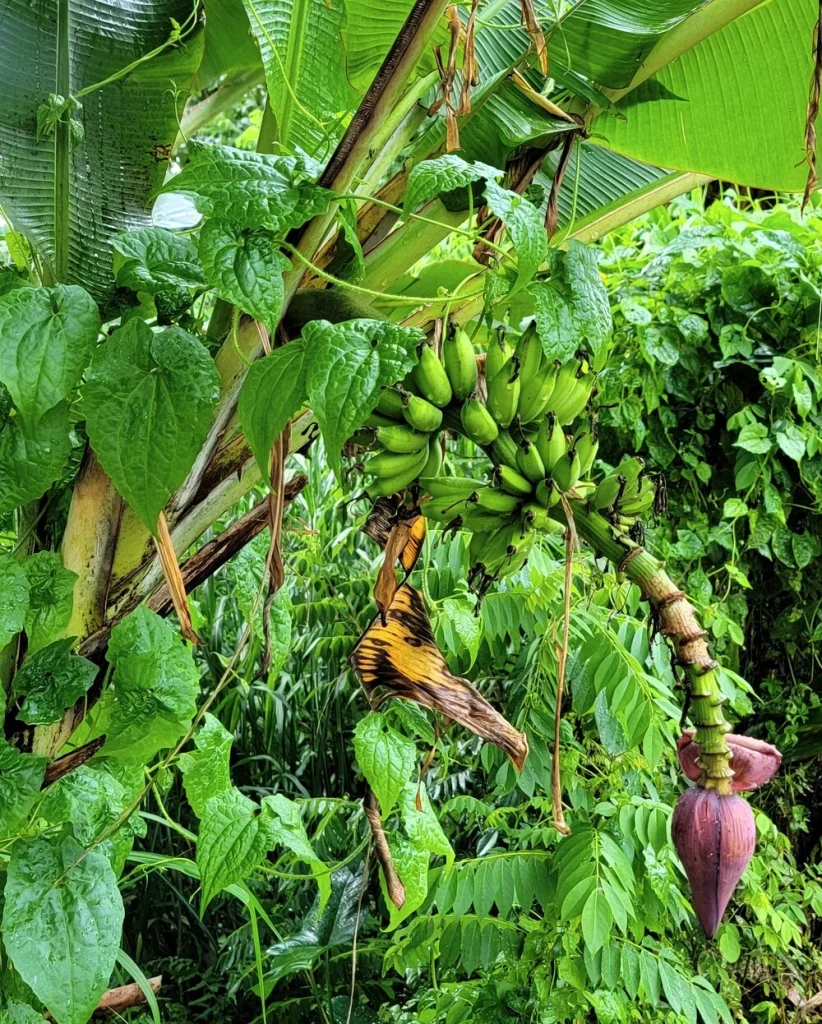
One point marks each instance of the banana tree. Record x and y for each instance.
(152, 378)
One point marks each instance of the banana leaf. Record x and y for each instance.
(70, 187)
(732, 107)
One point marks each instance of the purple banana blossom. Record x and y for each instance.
(754, 762)
(715, 836)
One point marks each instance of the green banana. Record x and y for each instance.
(535, 392)
(514, 482)
(436, 458)
(493, 550)
(506, 549)
(529, 462)
(641, 502)
(405, 470)
(538, 517)
(587, 445)
(576, 401)
(394, 463)
(550, 441)
(478, 520)
(460, 361)
(529, 352)
(431, 379)
(421, 414)
(503, 393)
(564, 384)
(504, 450)
(492, 499)
(546, 494)
(443, 510)
(450, 486)
(390, 403)
(377, 419)
(631, 468)
(566, 471)
(608, 490)
(477, 422)
(399, 437)
(498, 354)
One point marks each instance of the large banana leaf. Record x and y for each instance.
(300, 42)
(230, 46)
(69, 202)
(608, 189)
(732, 107)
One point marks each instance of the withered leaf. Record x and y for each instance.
(400, 658)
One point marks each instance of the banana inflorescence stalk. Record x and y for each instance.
(539, 430)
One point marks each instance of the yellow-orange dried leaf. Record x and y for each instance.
(399, 658)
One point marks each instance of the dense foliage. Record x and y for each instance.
(238, 392)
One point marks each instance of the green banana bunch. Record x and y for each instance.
(431, 379)
(501, 551)
(460, 362)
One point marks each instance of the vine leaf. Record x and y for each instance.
(592, 309)
(21, 776)
(236, 833)
(63, 939)
(411, 864)
(154, 693)
(421, 824)
(14, 597)
(50, 598)
(446, 173)
(386, 759)
(245, 268)
(524, 224)
(155, 260)
(400, 658)
(32, 456)
(206, 769)
(251, 190)
(148, 400)
(51, 680)
(273, 393)
(47, 338)
(347, 365)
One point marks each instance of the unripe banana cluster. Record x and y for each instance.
(535, 426)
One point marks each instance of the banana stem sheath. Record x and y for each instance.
(678, 621)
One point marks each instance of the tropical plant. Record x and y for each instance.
(153, 378)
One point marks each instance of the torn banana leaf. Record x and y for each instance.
(400, 658)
